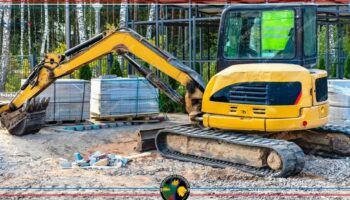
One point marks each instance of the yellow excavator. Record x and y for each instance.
(259, 113)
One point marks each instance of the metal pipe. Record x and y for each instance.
(327, 49)
(67, 24)
(200, 50)
(157, 31)
(177, 20)
(194, 39)
(190, 38)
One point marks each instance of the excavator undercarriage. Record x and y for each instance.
(262, 154)
(255, 155)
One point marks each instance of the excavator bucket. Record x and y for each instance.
(29, 119)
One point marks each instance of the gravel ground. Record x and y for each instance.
(32, 162)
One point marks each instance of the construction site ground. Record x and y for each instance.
(31, 165)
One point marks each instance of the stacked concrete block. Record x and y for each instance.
(115, 97)
(339, 102)
(69, 100)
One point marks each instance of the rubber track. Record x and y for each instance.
(291, 154)
(334, 128)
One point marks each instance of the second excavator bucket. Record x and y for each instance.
(28, 119)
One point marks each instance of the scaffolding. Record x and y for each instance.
(336, 20)
(197, 26)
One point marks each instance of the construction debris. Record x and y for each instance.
(95, 160)
(102, 162)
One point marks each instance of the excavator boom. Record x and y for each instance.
(25, 114)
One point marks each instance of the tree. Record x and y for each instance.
(22, 30)
(29, 24)
(123, 13)
(122, 19)
(321, 63)
(332, 40)
(1, 15)
(5, 43)
(115, 69)
(46, 30)
(150, 19)
(81, 22)
(84, 72)
(333, 70)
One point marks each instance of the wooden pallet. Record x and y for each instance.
(99, 125)
(127, 117)
(58, 122)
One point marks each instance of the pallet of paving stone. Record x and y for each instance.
(339, 93)
(119, 98)
(339, 102)
(69, 100)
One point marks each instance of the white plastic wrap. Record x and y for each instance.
(339, 93)
(69, 100)
(123, 97)
(339, 101)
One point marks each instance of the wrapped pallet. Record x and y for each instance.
(69, 100)
(123, 97)
(339, 102)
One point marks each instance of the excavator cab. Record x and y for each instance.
(264, 81)
(267, 34)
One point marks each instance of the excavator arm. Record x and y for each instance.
(24, 114)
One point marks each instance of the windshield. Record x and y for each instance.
(260, 34)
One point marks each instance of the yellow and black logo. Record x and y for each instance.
(175, 187)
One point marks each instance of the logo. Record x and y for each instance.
(175, 187)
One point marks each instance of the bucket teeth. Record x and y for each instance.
(42, 104)
(35, 104)
(47, 102)
(30, 105)
(25, 107)
(38, 105)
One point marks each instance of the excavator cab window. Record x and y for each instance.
(310, 41)
(271, 33)
(260, 34)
